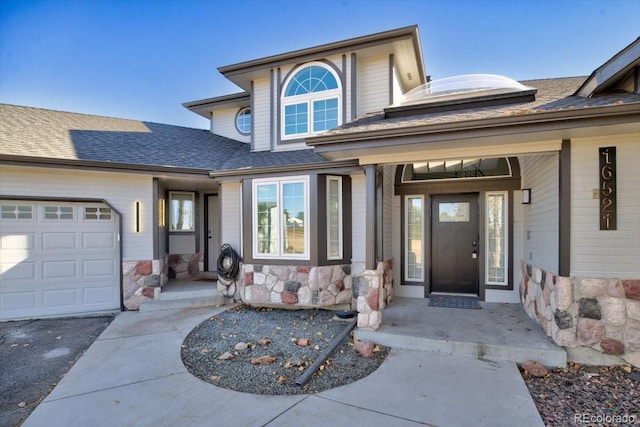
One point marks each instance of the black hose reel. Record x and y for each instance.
(228, 266)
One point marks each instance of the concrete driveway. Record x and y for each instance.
(133, 376)
(35, 355)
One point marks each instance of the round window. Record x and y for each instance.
(243, 121)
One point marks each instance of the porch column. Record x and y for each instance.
(370, 228)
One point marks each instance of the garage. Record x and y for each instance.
(58, 258)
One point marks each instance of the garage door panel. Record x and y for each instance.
(92, 268)
(58, 241)
(60, 298)
(25, 270)
(58, 262)
(99, 240)
(16, 301)
(98, 295)
(16, 241)
(59, 269)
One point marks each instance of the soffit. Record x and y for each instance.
(404, 43)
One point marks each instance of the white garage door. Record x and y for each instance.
(58, 258)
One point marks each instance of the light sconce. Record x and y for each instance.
(526, 196)
(137, 224)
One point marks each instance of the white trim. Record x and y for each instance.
(506, 237)
(308, 98)
(279, 182)
(340, 212)
(406, 238)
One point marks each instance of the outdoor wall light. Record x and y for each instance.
(526, 196)
(137, 224)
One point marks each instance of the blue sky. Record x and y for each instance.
(143, 59)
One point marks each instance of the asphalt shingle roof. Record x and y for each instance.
(50, 134)
(553, 95)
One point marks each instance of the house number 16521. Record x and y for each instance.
(608, 188)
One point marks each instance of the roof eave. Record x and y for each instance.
(304, 167)
(97, 165)
(235, 72)
(618, 65)
(326, 142)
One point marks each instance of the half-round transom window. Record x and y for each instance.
(456, 169)
(311, 79)
(243, 121)
(310, 102)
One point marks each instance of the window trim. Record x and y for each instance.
(340, 255)
(59, 212)
(308, 99)
(506, 223)
(16, 211)
(280, 182)
(405, 214)
(193, 212)
(238, 115)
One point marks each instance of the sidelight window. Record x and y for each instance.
(414, 238)
(497, 238)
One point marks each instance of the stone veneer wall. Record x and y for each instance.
(296, 286)
(185, 266)
(584, 313)
(373, 291)
(142, 280)
(330, 287)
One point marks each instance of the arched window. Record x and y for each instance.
(310, 102)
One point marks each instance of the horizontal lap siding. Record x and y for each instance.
(119, 190)
(359, 217)
(614, 253)
(231, 214)
(540, 173)
(373, 84)
(261, 113)
(224, 124)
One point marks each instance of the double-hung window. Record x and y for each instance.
(310, 102)
(280, 218)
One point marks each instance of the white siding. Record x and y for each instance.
(231, 214)
(599, 253)
(373, 84)
(358, 217)
(118, 189)
(261, 113)
(397, 88)
(541, 228)
(224, 124)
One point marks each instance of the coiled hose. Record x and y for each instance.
(228, 266)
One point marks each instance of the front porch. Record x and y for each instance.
(497, 331)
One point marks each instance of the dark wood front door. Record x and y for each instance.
(454, 243)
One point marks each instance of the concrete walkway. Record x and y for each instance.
(133, 376)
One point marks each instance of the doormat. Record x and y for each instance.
(454, 302)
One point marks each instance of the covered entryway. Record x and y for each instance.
(58, 258)
(454, 244)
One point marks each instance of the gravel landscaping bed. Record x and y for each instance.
(587, 395)
(280, 345)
